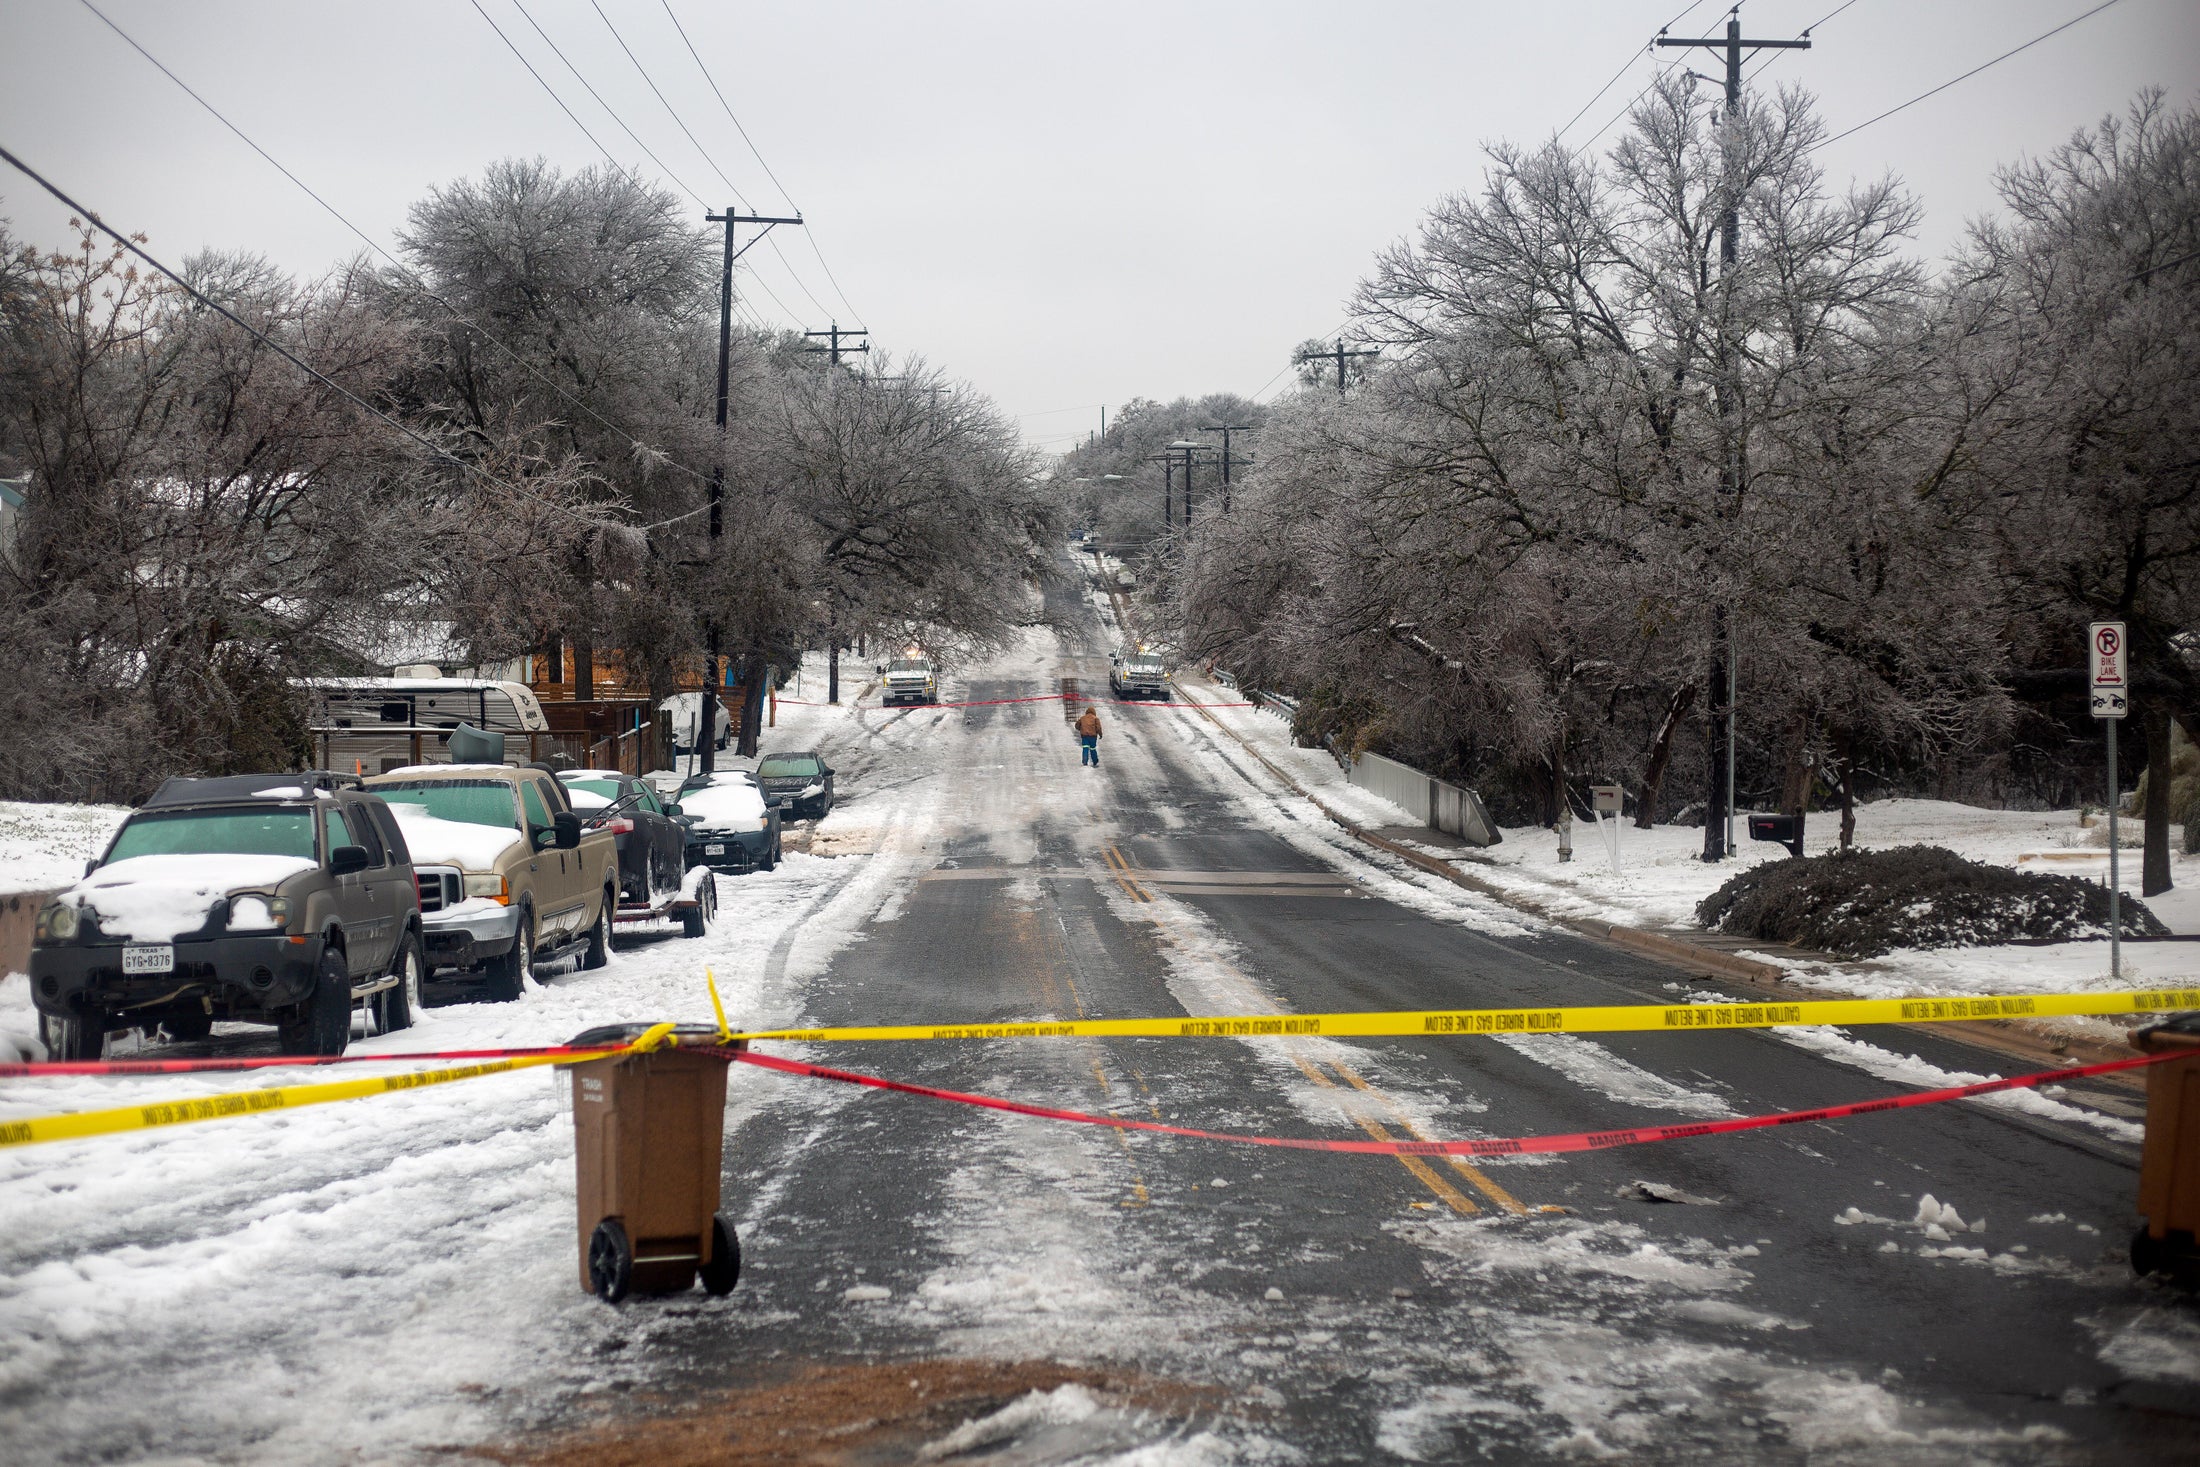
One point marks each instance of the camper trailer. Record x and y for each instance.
(371, 725)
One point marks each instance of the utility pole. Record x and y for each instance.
(1226, 429)
(1338, 355)
(1718, 825)
(1168, 487)
(836, 349)
(706, 734)
(1186, 447)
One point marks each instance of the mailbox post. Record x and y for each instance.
(1609, 799)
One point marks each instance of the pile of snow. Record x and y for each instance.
(154, 898)
(434, 841)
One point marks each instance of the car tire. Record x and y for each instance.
(321, 1022)
(188, 1027)
(505, 975)
(599, 936)
(771, 857)
(610, 1260)
(395, 1006)
(723, 1268)
(74, 1040)
(696, 920)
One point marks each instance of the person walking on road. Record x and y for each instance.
(1088, 735)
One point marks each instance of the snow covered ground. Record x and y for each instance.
(44, 847)
(1659, 878)
(156, 1257)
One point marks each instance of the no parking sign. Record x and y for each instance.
(2106, 667)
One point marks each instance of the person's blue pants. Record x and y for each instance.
(1092, 748)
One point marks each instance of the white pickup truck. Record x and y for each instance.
(908, 679)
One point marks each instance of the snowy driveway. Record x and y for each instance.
(380, 1279)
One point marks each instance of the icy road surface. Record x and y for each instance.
(382, 1279)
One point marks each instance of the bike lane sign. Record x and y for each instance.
(2106, 670)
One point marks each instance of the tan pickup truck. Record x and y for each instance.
(507, 876)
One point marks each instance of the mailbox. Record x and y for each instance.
(1786, 830)
(1606, 799)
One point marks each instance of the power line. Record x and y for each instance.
(635, 137)
(808, 234)
(1623, 69)
(1974, 71)
(231, 316)
(669, 109)
(507, 40)
(456, 314)
(609, 156)
(677, 121)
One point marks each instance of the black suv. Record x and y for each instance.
(282, 899)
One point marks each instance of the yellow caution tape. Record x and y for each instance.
(725, 1032)
(246, 1102)
(1614, 1019)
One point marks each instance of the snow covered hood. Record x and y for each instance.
(724, 806)
(156, 898)
(435, 841)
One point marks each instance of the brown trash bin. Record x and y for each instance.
(2168, 1241)
(648, 1133)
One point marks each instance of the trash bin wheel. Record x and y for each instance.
(610, 1260)
(2151, 1255)
(724, 1269)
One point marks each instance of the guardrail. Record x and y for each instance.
(1451, 808)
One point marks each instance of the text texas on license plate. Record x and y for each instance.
(159, 958)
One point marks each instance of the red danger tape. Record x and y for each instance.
(1035, 698)
(1499, 1146)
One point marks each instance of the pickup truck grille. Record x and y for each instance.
(439, 887)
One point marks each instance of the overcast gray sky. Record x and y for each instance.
(1068, 205)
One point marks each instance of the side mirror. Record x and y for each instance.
(91, 865)
(344, 860)
(882, 669)
(673, 811)
(567, 828)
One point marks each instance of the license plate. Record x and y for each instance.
(714, 850)
(155, 958)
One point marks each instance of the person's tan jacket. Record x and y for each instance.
(1088, 724)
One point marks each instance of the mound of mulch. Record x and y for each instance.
(1859, 904)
